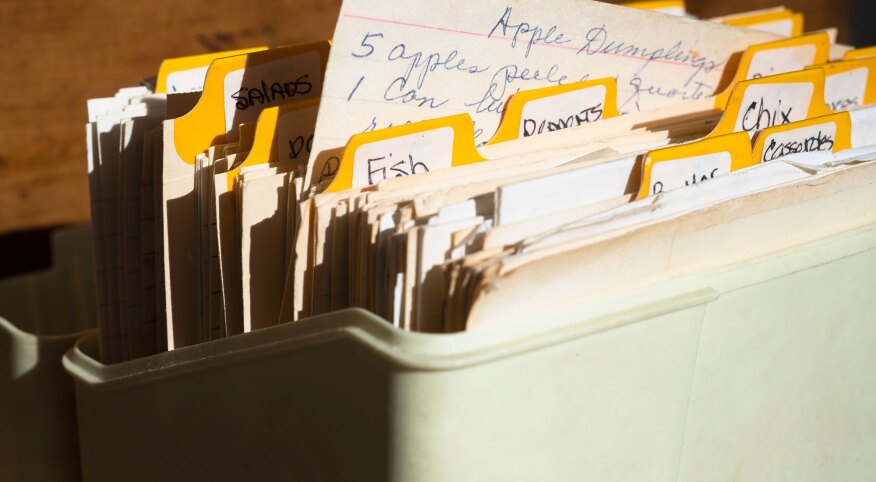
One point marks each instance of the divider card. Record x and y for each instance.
(674, 167)
(186, 74)
(393, 64)
(863, 53)
(538, 111)
(236, 90)
(830, 133)
(849, 83)
(785, 23)
(669, 7)
(405, 150)
(282, 133)
(778, 57)
(758, 104)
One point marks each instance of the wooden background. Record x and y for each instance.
(57, 54)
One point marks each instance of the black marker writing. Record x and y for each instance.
(532, 127)
(844, 104)
(695, 178)
(758, 116)
(297, 145)
(329, 169)
(266, 93)
(818, 142)
(405, 167)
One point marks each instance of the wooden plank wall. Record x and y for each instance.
(58, 54)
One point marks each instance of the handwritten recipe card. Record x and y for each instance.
(392, 65)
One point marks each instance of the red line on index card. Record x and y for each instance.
(498, 37)
(417, 25)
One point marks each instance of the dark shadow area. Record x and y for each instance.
(37, 411)
(181, 264)
(310, 411)
(728, 73)
(267, 273)
(26, 251)
(321, 273)
(44, 312)
(863, 16)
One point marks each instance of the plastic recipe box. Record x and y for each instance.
(763, 370)
(41, 315)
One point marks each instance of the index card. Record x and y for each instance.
(849, 83)
(709, 218)
(235, 87)
(548, 194)
(827, 133)
(262, 221)
(186, 74)
(392, 65)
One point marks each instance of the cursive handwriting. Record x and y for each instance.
(695, 91)
(396, 90)
(493, 99)
(597, 41)
(375, 125)
(818, 142)
(531, 34)
(420, 65)
(758, 116)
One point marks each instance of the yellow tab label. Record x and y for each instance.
(295, 132)
(187, 74)
(251, 89)
(670, 7)
(406, 150)
(860, 53)
(758, 104)
(786, 23)
(679, 166)
(548, 109)
(849, 83)
(238, 88)
(779, 57)
(827, 133)
(281, 133)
